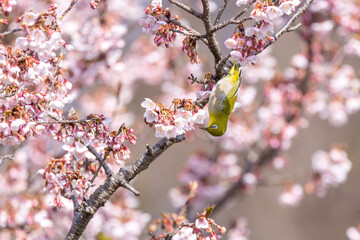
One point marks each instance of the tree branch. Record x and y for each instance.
(186, 8)
(72, 4)
(10, 32)
(211, 36)
(244, 10)
(221, 11)
(228, 22)
(150, 155)
(234, 20)
(99, 158)
(85, 212)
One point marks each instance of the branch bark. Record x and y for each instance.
(221, 11)
(211, 36)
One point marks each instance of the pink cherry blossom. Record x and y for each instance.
(240, 231)
(291, 195)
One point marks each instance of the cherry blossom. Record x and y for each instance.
(181, 117)
(291, 195)
(158, 23)
(240, 230)
(330, 169)
(353, 233)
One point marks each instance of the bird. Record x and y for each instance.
(222, 100)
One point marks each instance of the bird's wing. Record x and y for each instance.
(234, 89)
(232, 94)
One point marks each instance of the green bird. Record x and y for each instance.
(222, 100)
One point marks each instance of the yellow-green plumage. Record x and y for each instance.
(222, 100)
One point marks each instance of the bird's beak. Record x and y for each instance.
(204, 128)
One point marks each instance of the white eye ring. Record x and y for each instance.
(214, 126)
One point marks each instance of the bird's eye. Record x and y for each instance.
(214, 126)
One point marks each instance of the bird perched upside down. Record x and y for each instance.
(222, 100)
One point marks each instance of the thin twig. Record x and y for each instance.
(10, 32)
(98, 169)
(190, 31)
(187, 28)
(231, 21)
(186, 8)
(221, 11)
(9, 156)
(130, 188)
(72, 4)
(234, 20)
(187, 33)
(74, 198)
(99, 158)
(183, 224)
(8, 95)
(64, 121)
(287, 27)
(244, 9)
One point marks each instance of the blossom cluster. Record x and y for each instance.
(63, 177)
(93, 130)
(291, 194)
(60, 175)
(189, 46)
(246, 43)
(213, 177)
(97, 52)
(160, 24)
(33, 88)
(240, 230)
(157, 23)
(6, 7)
(122, 220)
(330, 169)
(182, 116)
(25, 217)
(204, 227)
(325, 15)
(34, 91)
(337, 97)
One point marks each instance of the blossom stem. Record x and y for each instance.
(221, 11)
(10, 32)
(186, 8)
(72, 4)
